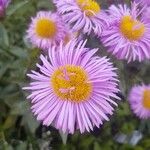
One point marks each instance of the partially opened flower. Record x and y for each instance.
(128, 35)
(3, 5)
(84, 15)
(46, 29)
(139, 99)
(73, 89)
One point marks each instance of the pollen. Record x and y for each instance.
(90, 7)
(131, 29)
(46, 28)
(71, 83)
(146, 99)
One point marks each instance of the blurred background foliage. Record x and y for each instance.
(18, 128)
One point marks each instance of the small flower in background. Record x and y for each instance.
(84, 15)
(47, 29)
(3, 5)
(73, 89)
(139, 99)
(128, 35)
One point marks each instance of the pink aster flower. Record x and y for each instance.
(85, 15)
(3, 5)
(139, 99)
(47, 29)
(73, 89)
(128, 35)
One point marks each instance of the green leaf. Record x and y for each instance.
(96, 146)
(3, 70)
(9, 122)
(19, 52)
(20, 108)
(46, 3)
(4, 40)
(14, 8)
(30, 122)
(21, 146)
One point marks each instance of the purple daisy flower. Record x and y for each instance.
(128, 35)
(47, 29)
(73, 89)
(139, 99)
(85, 15)
(3, 5)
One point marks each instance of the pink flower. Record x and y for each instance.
(128, 35)
(73, 89)
(3, 5)
(139, 99)
(84, 15)
(48, 29)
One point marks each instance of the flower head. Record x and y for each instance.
(139, 99)
(73, 89)
(47, 29)
(85, 15)
(128, 34)
(3, 5)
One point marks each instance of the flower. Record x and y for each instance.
(85, 15)
(73, 89)
(3, 5)
(47, 29)
(128, 35)
(139, 99)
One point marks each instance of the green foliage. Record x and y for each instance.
(18, 128)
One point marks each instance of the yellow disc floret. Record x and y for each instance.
(71, 83)
(131, 29)
(146, 99)
(46, 28)
(90, 7)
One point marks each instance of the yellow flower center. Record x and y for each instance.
(46, 28)
(146, 99)
(90, 7)
(70, 83)
(131, 29)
